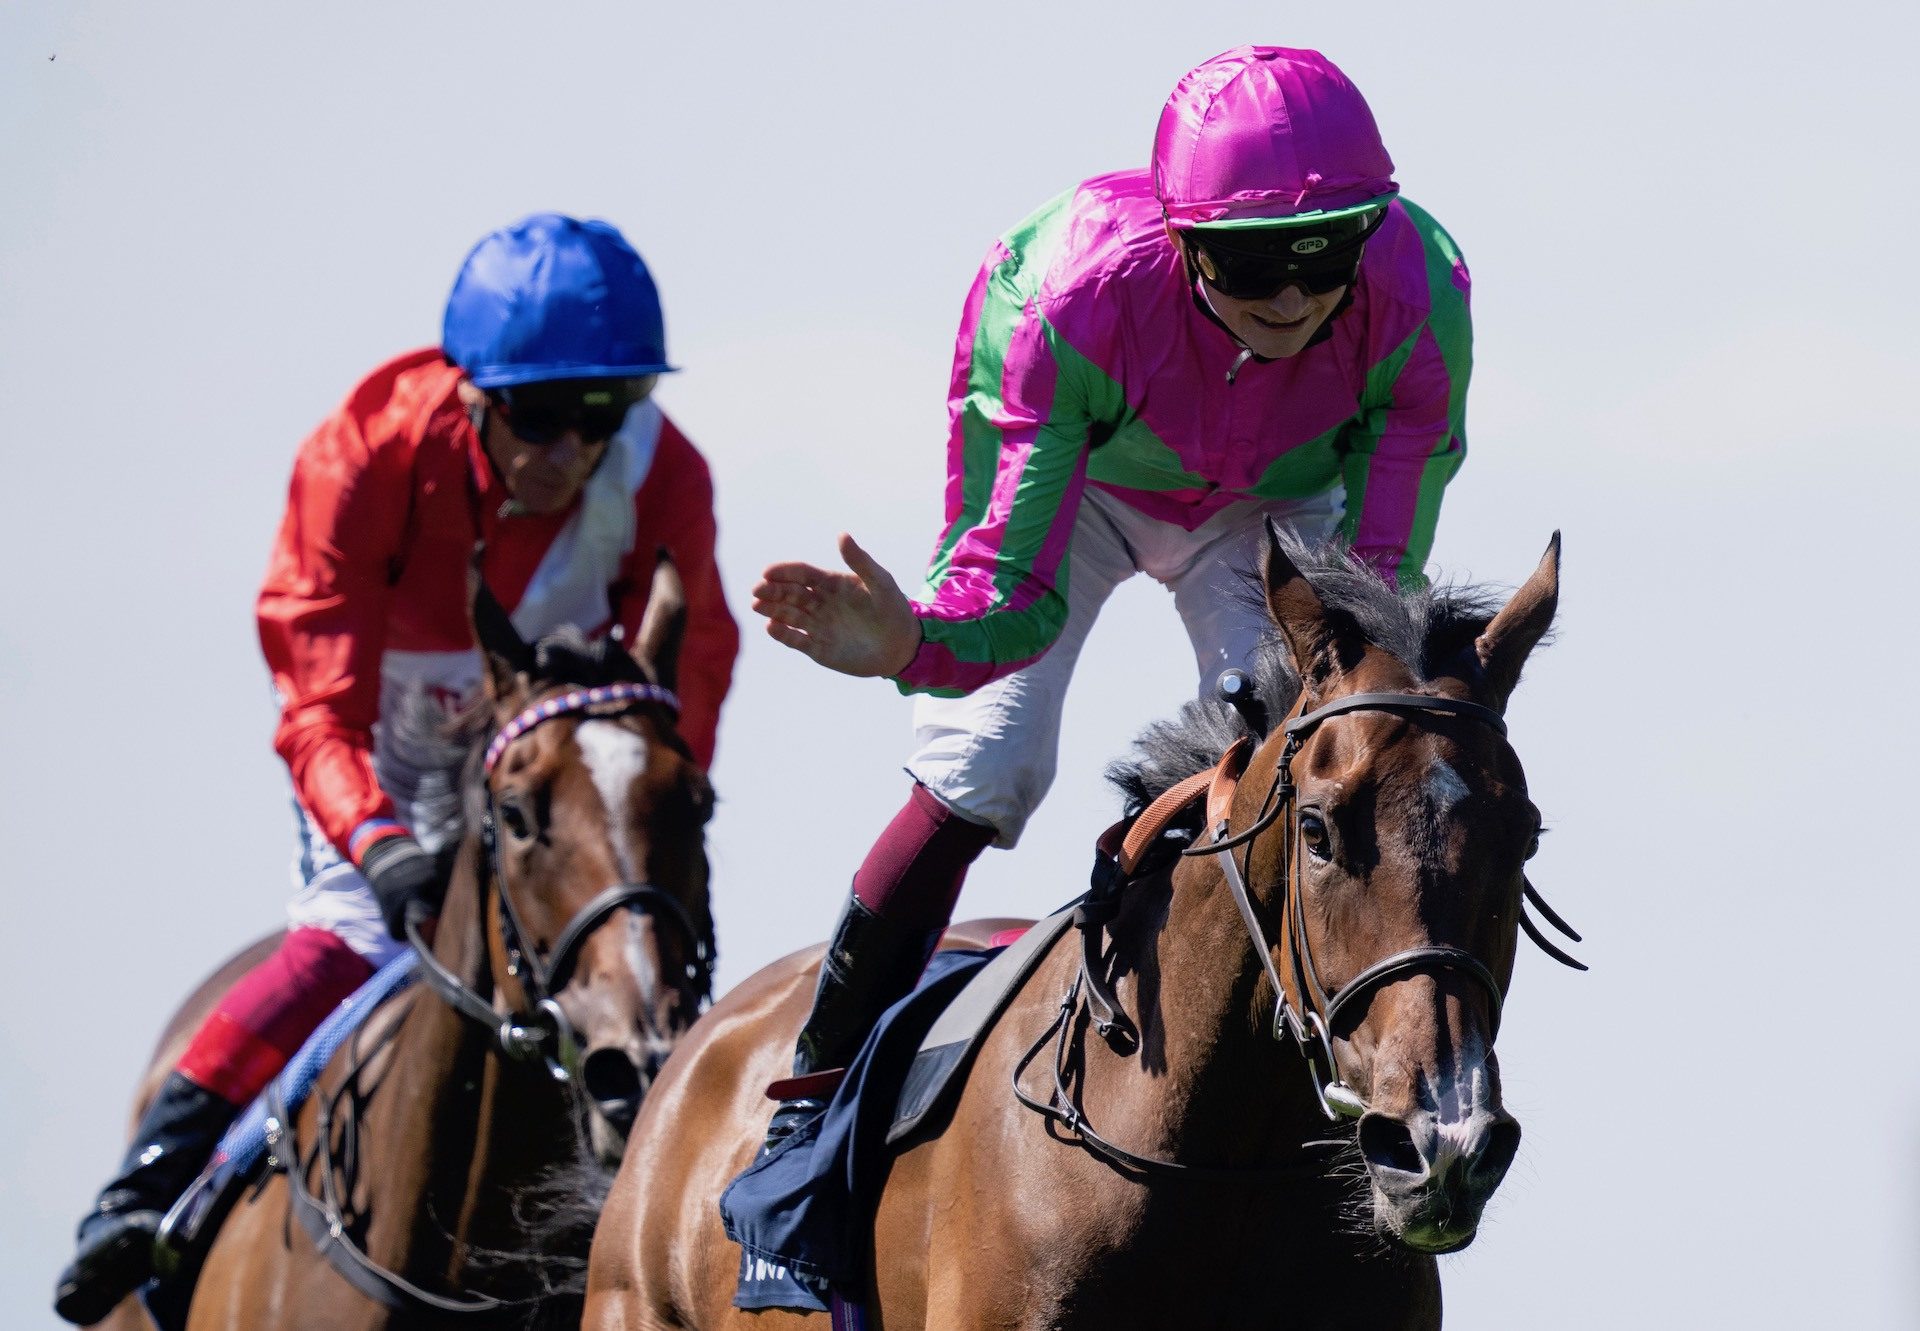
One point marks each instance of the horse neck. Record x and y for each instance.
(1205, 1010)
(463, 1129)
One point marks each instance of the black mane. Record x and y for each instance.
(1425, 629)
(567, 656)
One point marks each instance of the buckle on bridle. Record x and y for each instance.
(547, 1035)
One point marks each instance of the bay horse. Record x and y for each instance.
(1335, 939)
(546, 1003)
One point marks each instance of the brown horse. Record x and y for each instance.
(545, 1006)
(1179, 1168)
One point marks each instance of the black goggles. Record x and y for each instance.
(544, 413)
(1259, 263)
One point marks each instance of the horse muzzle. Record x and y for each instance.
(1432, 1177)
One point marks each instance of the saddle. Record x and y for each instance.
(1121, 853)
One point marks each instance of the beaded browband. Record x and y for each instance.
(577, 700)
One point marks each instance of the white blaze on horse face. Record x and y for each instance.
(1462, 1105)
(616, 757)
(655, 1041)
(1445, 787)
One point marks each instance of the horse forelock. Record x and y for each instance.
(1424, 630)
(567, 656)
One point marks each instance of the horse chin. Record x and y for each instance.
(1424, 1222)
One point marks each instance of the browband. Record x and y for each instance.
(577, 700)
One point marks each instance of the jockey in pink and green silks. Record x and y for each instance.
(1090, 355)
(1150, 370)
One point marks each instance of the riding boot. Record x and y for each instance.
(872, 961)
(176, 1137)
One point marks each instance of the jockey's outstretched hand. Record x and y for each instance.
(859, 623)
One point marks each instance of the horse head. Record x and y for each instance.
(1391, 868)
(592, 814)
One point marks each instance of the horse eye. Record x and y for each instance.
(1313, 831)
(1533, 844)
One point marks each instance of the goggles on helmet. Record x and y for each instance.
(543, 413)
(1259, 262)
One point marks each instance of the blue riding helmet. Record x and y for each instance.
(553, 297)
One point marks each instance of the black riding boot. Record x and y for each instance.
(173, 1143)
(871, 963)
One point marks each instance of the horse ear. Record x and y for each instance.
(1314, 635)
(657, 644)
(508, 659)
(1504, 645)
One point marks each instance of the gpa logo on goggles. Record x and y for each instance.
(1310, 245)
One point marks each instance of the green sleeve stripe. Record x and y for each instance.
(1448, 318)
(1439, 469)
(1363, 434)
(1011, 285)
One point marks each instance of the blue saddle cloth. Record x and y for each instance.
(802, 1213)
(243, 1148)
(245, 1143)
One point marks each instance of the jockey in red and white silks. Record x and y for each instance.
(364, 606)
(531, 429)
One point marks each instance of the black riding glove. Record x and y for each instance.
(401, 874)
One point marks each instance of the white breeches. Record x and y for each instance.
(991, 755)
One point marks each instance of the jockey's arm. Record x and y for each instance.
(1020, 427)
(1021, 422)
(322, 620)
(1410, 436)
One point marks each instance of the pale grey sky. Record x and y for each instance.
(1694, 355)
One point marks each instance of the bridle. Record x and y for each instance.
(1311, 1023)
(545, 1032)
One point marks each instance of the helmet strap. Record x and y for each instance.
(479, 413)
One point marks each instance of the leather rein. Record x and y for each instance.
(1311, 1022)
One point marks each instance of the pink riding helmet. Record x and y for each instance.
(1267, 136)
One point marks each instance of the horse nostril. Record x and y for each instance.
(1388, 1144)
(611, 1081)
(1489, 1164)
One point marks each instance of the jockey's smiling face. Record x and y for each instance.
(542, 478)
(1275, 287)
(1278, 326)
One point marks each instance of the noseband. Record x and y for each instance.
(545, 1032)
(1311, 1024)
